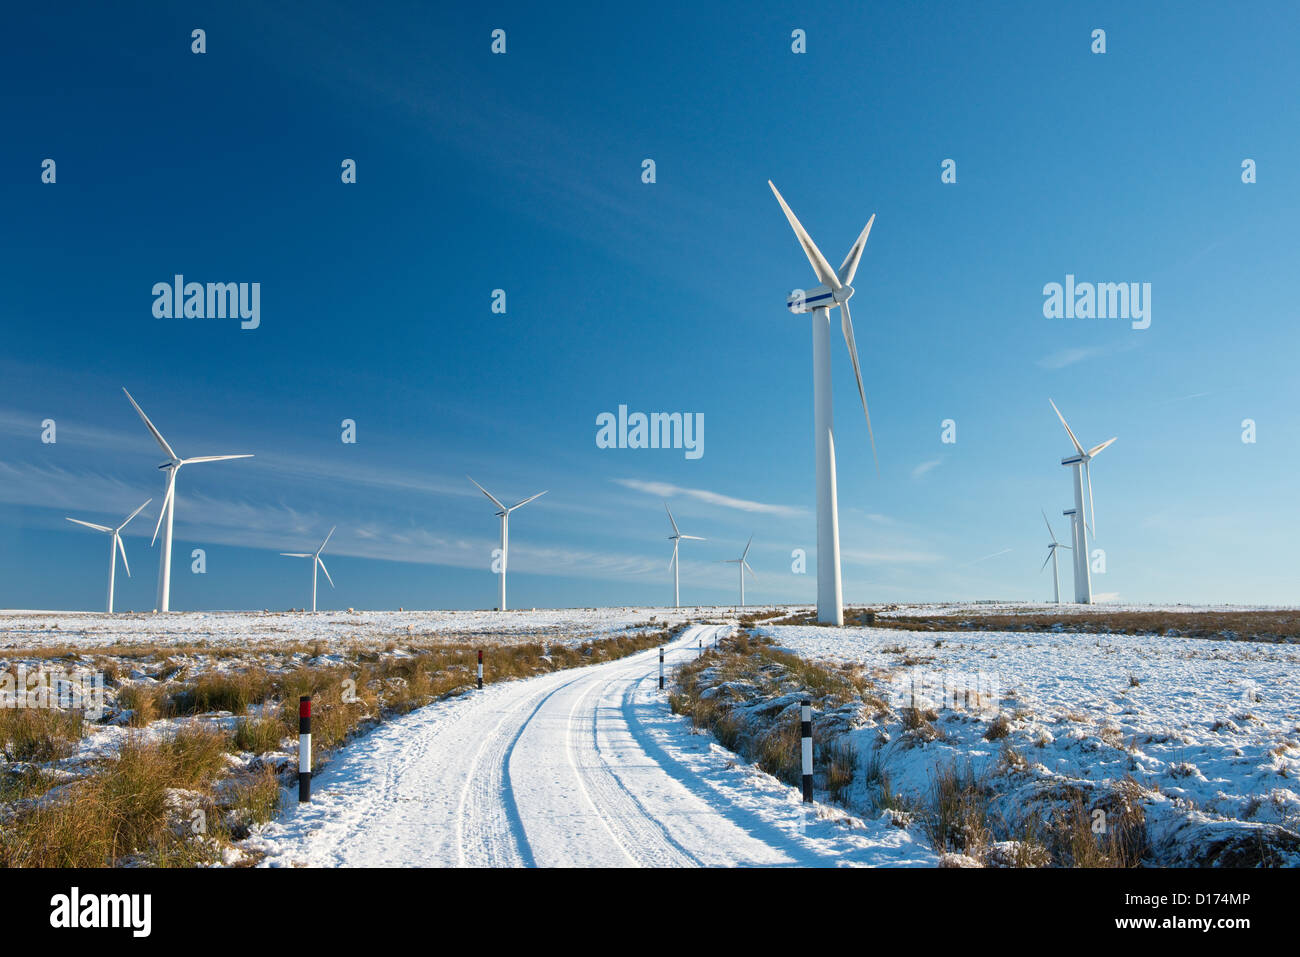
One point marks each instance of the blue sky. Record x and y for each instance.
(523, 172)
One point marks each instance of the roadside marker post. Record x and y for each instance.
(480, 670)
(304, 749)
(661, 668)
(701, 646)
(805, 717)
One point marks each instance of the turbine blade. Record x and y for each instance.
(297, 554)
(325, 570)
(1097, 448)
(527, 500)
(676, 530)
(167, 500)
(122, 548)
(98, 528)
(849, 268)
(216, 458)
(1046, 560)
(326, 542)
(1077, 446)
(133, 515)
(487, 493)
(846, 324)
(156, 434)
(673, 559)
(1049, 526)
(694, 538)
(820, 266)
(750, 570)
(746, 551)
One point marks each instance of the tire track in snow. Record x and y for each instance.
(641, 835)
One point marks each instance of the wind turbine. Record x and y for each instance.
(744, 566)
(673, 562)
(1051, 557)
(168, 511)
(316, 560)
(505, 530)
(1085, 522)
(835, 290)
(113, 548)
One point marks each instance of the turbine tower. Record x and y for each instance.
(1084, 522)
(113, 548)
(1051, 557)
(505, 530)
(168, 511)
(835, 290)
(744, 566)
(673, 562)
(316, 560)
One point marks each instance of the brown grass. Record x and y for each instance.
(1265, 626)
(39, 734)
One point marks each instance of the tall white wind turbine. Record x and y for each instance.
(743, 567)
(167, 514)
(673, 562)
(1081, 463)
(504, 514)
(316, 561)
(1051, 557)
(835, 290)
(113, 548)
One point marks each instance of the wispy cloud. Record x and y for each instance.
(1068, 357)
(986, 558)
(889, 556)
(924, 467)
(667, 490)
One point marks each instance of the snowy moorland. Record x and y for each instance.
(1209, 730)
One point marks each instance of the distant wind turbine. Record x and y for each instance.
(835, 290)
(1081, 463)
(113, 548)
(168, 511)
(1051, 557)
(743, 567)
(316, 561)
(505, 530)
(673, 562)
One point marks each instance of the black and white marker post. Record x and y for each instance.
(304, 749)
(480, 671)
(805, 717)
(661, 669)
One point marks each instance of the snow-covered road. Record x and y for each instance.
(585, 767)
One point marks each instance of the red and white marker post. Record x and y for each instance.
(480, 671)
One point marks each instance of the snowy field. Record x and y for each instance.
(1210, 728)
(1052, 608)
(37, 630)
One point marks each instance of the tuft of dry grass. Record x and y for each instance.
(39, 734)
(259, 735)
(998, 728)
(956, 817)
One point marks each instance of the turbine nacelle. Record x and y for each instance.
(819, 297)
